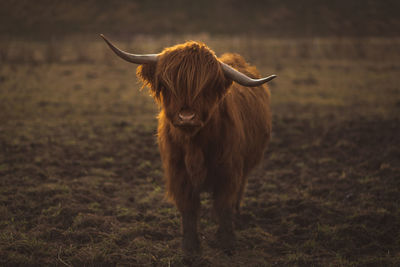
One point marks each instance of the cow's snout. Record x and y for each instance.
(187, 120)
(186, 117)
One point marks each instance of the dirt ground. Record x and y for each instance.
(81, 180)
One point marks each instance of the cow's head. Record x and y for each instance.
(187, 80)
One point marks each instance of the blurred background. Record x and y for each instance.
(80, 173)
(268, 18)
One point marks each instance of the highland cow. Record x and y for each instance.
(212, 129)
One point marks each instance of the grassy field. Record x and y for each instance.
(81, 179)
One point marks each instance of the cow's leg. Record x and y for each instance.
(189, 209)
(224, 204)
(227, 194)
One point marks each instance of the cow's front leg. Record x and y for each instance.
(189, 211)
(224, 208)
(227, 194)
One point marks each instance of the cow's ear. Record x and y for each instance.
(227, 83)
(146, 73)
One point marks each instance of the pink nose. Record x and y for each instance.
(186, 117)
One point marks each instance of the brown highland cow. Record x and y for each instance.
(212, 128)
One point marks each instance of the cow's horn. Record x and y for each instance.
(138, 59)
(242, 79)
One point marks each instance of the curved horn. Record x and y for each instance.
(138, 59)
(242, 79)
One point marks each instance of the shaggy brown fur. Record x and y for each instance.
(231, 130)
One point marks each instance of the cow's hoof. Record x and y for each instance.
(226, 241)
(191, 246)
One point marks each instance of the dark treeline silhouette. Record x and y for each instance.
(277, 18)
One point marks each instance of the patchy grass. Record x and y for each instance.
(81, 179)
